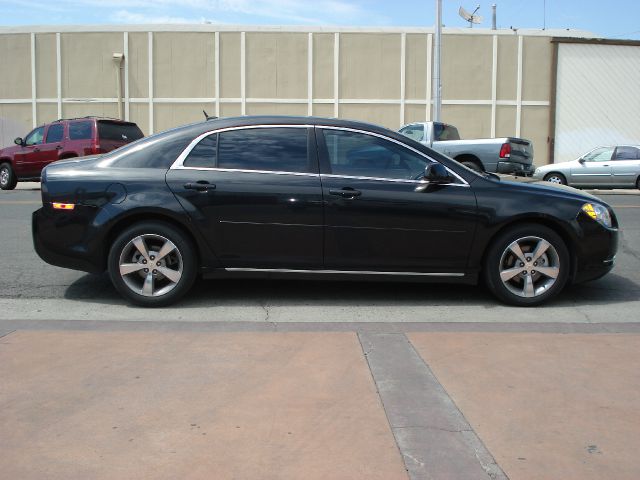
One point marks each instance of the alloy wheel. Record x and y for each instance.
(150, 265)
(529, 266)
(4, 176)
(555, 179)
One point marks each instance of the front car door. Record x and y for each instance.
(594, 168)
(30, 156)
(52, 145)
(379, 217)
(626, 166)
(255, 194)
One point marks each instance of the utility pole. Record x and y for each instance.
(435, 84)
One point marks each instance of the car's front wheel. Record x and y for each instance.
(8, 179)
(152, 264)
(527, 265)
(556, 178)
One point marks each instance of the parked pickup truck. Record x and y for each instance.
(498, 155)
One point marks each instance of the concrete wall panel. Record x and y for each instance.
(277, 65)
(536, 68)
(183, 65)
(385, 115)
(369, 66)
(46, 86)
(416, 67)
(15, 121)
(535, 121)
(466, 67)
(507, 67)
(15, 55)
(46, 112)
(88, 69)
(230, 110)
(415, 113)
(230, 65)
(138, 65)
(505, 121)
(323, 110)
(170, 115)
(139, 113)
(472, 121)
(323, 65)
(276, 109)
(73, 110)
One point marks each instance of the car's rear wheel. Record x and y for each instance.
(638, 183)
(527, 265)
(8, 179)
(555, 177)
(152, 264)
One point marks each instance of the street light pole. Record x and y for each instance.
(436, 87)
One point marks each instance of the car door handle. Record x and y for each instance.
(59, 147)
(200, 186)
(345, 192)
(36, 149)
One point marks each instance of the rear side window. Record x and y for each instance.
(443, 132)
(203, 154)
(271, 149)
(627, 153)
(55, 133)
(80, 130)
(118, 132)
(159, 151)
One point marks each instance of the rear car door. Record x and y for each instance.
(594, 169)
(626, 166)
(80, 138)
(379, 218)
(255, 194)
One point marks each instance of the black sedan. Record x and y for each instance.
(312, 198)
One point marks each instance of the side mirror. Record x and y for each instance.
(19, 141)
(581, 160)
(437, 173)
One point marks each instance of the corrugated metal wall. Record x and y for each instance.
(598, 98)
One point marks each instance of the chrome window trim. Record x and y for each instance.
(391, 180)
(178, 164)
(348, 272)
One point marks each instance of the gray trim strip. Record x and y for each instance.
(347, 272)
(434, 438)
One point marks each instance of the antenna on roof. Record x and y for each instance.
(206, 115)
(470, 17)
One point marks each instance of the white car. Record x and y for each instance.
(613, 166)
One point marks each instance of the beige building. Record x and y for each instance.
(494, 83)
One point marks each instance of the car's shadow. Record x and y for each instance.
(239, 292)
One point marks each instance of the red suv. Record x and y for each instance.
(59, 140)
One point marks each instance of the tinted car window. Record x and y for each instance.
(80, 130)
(55, 133)
(204, 153)
(360, 155)
(601, 154)
(35, 137)
(272, 149)
(414, 132)
(443, 132)
(627, 153)
(119, 132)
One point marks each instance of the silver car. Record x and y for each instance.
(617, 166)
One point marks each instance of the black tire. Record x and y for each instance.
(555, 177)
(498, 260)
(8, 179)
(638, 183)
(155, 234)
(472, 165)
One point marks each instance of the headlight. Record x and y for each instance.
(598, 212)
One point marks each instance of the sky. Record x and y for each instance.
(613, 18)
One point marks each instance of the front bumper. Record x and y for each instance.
(596, 250)
(515, 168)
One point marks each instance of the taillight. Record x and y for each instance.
(505, 150)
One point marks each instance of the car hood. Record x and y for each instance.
(552, 188)
(9, 150)
(558, 166)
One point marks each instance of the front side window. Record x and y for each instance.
(35, 137)
(602, 154)
(627, 153)
(414, 132)
(80, 130)
(361, 155)
(270, 149)
(55, 133)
